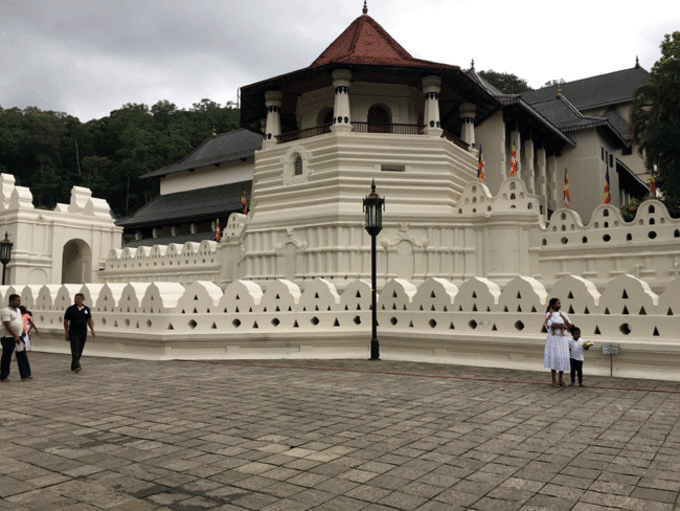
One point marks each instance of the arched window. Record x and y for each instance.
(379, 120)
(297, 165)
(324, 117)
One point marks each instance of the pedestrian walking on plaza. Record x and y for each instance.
(576, 348)
(556, 354)
(76, 320)
(11, 341)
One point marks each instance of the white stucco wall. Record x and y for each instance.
(40, 236)
(206, 177)
(477, 322)
(587, 171)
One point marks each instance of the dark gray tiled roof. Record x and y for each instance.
(215, 150)
(595, 91)
(201, 204)
(515, 102)
(619, 123)
(180, 240)
(567, 118)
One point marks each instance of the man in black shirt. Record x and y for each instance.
(76, 320)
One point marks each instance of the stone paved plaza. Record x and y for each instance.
(331, 435)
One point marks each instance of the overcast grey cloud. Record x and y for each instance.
(87, 58)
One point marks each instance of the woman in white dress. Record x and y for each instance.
(556, 355)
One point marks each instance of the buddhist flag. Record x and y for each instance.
(607, 188)
(217, 230)
(480, 166)
(652, 185)
(567, 199)
(513, 161)
(244, 203)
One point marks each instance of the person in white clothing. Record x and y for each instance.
(556, 354)
(576, 348)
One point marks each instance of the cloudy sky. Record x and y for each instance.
(88, 57)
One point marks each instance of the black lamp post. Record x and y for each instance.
(373, 207)
(5, 254)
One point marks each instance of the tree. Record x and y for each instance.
(51, 151)
(656, 122)
(507, 83)
(550, 83)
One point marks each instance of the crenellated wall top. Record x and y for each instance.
(513, 197)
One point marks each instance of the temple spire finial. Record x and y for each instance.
(365, 9)
(559, 90)
(637, 62)
(472, 64)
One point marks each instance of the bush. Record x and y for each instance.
(630, 210)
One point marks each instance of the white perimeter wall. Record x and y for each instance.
(477, 323)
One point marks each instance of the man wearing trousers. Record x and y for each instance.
(76, 320)
(14, 331)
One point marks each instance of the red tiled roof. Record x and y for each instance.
(366, 42)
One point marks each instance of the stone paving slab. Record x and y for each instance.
(131, 435)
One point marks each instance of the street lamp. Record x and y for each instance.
(373, 207)
(5, 254)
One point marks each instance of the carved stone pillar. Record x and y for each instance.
(431, 87)
(342, 121)
(273, 102)
(467, 112)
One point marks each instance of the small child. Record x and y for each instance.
(20, 350)
(576, 348)
(29, 327)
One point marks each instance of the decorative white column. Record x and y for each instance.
(530, 174)
(342, 121)
(554, 184)
(273, 101)
(467, 112)
(542, 181)
(431, 87)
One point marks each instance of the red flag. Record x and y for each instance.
(480, 166)
(513, 161)
(652, 185)
(567, 199)
(244, 203)
(607, 188)
(217, 230)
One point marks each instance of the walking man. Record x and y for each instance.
(76, 320)
(14, 331)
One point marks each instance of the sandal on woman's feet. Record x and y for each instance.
(562, 384)
(554, 384)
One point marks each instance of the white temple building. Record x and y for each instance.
(465, 267)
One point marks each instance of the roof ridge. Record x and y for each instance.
(594, 77)
(570, 106)
(336, 51)
(390, 40)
